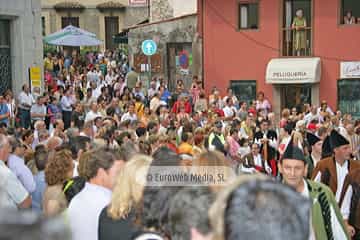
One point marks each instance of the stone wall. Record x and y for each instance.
(161, 10)
(166, 9)
(135, 15)
(182, 30)
(87, 3)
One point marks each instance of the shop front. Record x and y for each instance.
(348, 87)
(295, 82)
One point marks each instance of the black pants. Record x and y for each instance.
(66, 118)
(25, 119)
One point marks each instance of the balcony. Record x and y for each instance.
(296, 43)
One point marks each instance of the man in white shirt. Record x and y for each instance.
(130, 115)
(229, 110)
(93, 113)
(95, 89)
(85, 208)
(25, 102)
(13, 194)
(332, 170)
(312, 115)
(91, 75)
(38, 110)
(88, 130)
(152, 90)
(67, 103)
(232, 96)
(110, 77)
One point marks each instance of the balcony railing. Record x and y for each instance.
(297, 42)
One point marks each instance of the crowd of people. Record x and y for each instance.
(74, 155)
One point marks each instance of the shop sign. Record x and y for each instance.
(290, 75)
(349, 70)
(289, 71)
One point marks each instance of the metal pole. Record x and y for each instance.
(149, 65)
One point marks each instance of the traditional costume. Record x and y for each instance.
(251, 163)
(331, 173)
(268, 149)
(350, 201)
(326, 150)
(312, 139)
(326, 219)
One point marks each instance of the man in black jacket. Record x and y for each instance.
(267, 140)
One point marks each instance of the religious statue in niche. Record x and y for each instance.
(299, 26)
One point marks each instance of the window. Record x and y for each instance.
(296, 28)
(5, 33)
(5, 56)
(43, 26)
(244, 90)
(348, 96)
(350, 12)
(66, 21)
(248, 15)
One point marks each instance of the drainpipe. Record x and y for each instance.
(203, 40)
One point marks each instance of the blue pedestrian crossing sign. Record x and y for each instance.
(148, 47)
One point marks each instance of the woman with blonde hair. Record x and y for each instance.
(117, 221)
(285, 115)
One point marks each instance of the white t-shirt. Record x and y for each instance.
(90, 116)
(229, 111)
(128, 116)
(84, 211)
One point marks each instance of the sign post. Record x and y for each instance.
(35, 77)
(149, 48)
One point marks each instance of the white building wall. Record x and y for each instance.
(183, 8)
(26, 38)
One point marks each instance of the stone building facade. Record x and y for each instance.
(179, 49)
(102, 17)
(165, 9)
(20, 42)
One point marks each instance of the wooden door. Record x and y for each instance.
(111, 29)
(294, 95)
